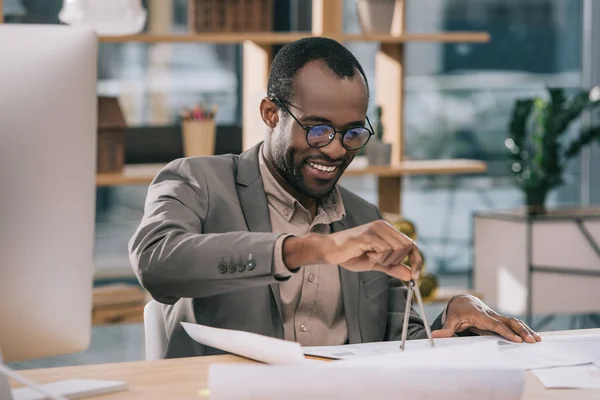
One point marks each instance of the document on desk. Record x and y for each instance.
(574, 377)
(483, 355)
(554, 351)
(250, 345)
(350, 351)
(439, 374)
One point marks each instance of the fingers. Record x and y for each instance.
(495, 325)
(400, 271)
(521, 329)
(405, 243)
(399, 247)
(451, 326)
(535, 335)
(416, 263)
(376, 243)
(386, 247)
(379, 258)
(443, 333)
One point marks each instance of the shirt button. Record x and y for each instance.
(311, 278)
(286, 212)
(303, 328)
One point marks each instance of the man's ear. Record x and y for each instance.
(269, 112)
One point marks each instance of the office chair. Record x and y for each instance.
(155, 332)
(155, 329)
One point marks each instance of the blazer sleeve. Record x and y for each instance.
(398, 293)
(172, 257)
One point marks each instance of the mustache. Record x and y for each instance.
(326, 160)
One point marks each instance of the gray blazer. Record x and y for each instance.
(205, 243)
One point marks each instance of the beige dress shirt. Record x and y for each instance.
(312, 306)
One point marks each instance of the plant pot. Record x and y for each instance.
(535, 201)
(379, 153)
(376, 16)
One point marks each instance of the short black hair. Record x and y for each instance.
(293, 56)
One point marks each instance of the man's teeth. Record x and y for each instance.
(322, 167)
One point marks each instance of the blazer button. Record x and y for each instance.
(231, 267)
(250, 264)
(240, 265)
(222, 267)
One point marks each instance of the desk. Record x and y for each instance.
(182, 378)
(522, 266)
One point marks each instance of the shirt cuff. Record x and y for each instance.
(281, 272)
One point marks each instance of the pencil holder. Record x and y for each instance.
(198, 137)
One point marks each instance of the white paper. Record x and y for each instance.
(250, 345)
(575, 377)
(350, 351)
(482, 355)
(554, 351)
(309, 382)
(468, 371)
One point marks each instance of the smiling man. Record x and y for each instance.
(267, 242)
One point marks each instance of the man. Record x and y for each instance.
(266, 242)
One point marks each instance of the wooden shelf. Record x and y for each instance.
(118, 303)
(143, 174)
(422, 167)
(121, 179)
(445, 37)
(287, 37)
(132, 175)
(262, 38)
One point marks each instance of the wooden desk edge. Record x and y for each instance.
(185, 377)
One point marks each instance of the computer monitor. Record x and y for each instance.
(48, 112)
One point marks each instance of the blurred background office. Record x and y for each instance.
(458, 99)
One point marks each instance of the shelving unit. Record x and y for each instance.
(143, 174)
(327, 20)
(287, 37)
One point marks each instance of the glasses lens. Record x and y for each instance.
(356, 138)
(320, 135)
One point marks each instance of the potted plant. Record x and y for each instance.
(538, 151)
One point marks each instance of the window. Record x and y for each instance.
(458, 99)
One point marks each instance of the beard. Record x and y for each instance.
(292, 172)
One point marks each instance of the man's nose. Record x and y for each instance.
(335, 150)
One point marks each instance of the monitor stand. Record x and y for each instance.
(5, 392)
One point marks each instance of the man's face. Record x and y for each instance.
(321, 98)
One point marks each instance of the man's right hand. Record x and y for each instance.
(376, 246)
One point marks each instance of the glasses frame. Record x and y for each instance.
(342, 134)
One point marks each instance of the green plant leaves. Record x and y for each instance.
(586, 136)
(534, 139)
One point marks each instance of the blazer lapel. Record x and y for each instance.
(350, 290)
(251, 192)
(253, 201)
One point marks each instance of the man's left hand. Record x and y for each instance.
(466, 312)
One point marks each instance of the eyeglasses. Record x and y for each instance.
(322, 134)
